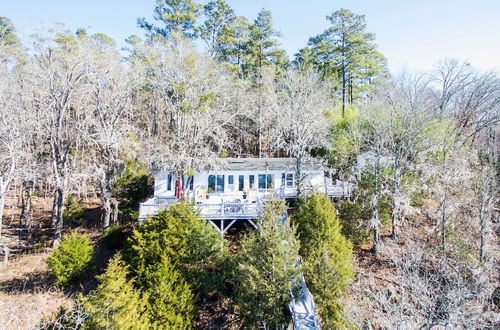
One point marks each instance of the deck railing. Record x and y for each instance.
(228, 209)
(220, 210)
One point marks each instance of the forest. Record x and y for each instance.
(86, 125)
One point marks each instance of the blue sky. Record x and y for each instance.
(412, 34)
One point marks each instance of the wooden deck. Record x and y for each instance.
(247, 210)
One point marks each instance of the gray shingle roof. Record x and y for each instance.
(270, 164)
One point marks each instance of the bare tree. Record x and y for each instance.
(60, 71)
(407, 118)
(14, 121)
(111, 87)
(301, 115)
(199, 101)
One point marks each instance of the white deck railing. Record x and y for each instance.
(221, 210)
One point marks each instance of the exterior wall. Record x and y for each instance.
(161, 181)
(314, 178)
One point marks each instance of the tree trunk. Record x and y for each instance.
(22, 216)
(343, 90)
(115, 205)
(481, 232)
(54, 210)
(29, 208)
(375, 240)
(106, 209)
(59, 215)
(298, 175)
(2, 204)
(375, 221)
(395, 214)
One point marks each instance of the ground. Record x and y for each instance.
(27, 293)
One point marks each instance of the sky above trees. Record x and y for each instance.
(411, 34)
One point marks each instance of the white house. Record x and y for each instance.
(237, 188)
(369, 159)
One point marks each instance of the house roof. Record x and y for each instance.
(270, 164)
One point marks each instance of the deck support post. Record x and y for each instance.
(214, 225)
(253, 224)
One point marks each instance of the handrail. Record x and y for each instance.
(207, 209)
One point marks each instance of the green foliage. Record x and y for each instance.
(346, 142)
(171, 303)
(345, 52)
(326, 254)
(366, 188)
(457, 247)
(8, 34)
(267, 269)
(219, 28)
(235, 51)
(261, 49)
(191, 244)
(114, 237)
(353, 218)
(133, 186)
(116, 304)
(73, 212)
(71, 259)
(104, 40)
(176, 16)
(418, 197)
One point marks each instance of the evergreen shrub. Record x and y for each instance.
(190, 243)
(114, 237)
(73, 212)
(116, 303)
(268, 270)
(326, 255)
(71, 259)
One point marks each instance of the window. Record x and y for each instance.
(251, 179)
(230, 179)
(241, 182)
(169, 182)
(262, 181)
(265, 181)
(270, 179)
(216, 183)
(289, 180)
(220, 183)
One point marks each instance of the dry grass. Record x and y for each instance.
(26, 292)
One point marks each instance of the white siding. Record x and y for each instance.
(315, 178)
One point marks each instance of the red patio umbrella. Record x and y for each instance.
(179, 189)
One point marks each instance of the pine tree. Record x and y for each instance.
(190, 242)
(171, 303)
(219, 27)
(116, 304)
(177, 16)
(346, 53)
(262, 49)
(268, 269)
(8, 34)
(236, 51)
(326, 255)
